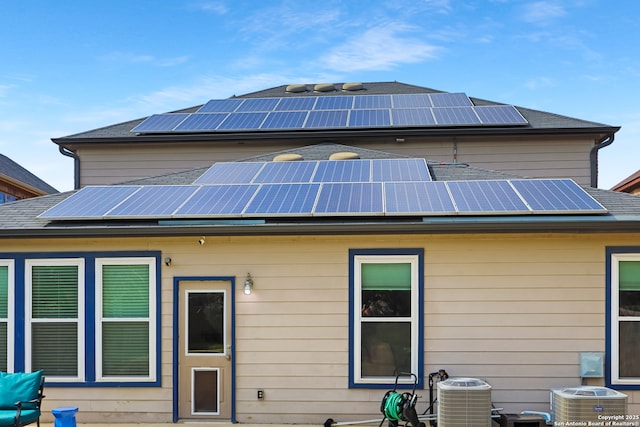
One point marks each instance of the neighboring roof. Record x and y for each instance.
(18, 174)
(539, 121)
(628, 185)
(19, 219)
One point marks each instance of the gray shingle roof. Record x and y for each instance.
(19, 219)
(16, 172)
(538, 120)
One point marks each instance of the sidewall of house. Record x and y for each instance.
(513, 309)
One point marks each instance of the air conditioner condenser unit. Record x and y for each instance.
(464, 402)
(577, 406)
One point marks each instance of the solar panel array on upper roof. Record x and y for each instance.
(325, 188)
(337, 112)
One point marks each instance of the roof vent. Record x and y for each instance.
(344, 155)
(297, 88)
(352, 86)
(288, 157)
(324, 87)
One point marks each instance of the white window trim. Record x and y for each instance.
(152, 319)
(79, 262)
(9, 263)
(358, 319)
(615, 318)
(226, 347)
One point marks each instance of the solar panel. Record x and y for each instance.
(455, 116)
(210, 200)
(90, 202)
(413, 100)
(450, 100)
(153, 201)
(283, 199)
(284, 120)
(334, 103)
(220, 106)
(424, 198)
(387, 170)
(350, 199)
(243, 121)
(230, 173)
(372, 101)
(197, 121)
(160, 122)
(500, 114)
(412, 117)
(552, 195)
(369, 118)
(343, 171)
(286, 172)
(258, 104)
(478, 197)
(417, 109)
(296, 104)
(327, 119)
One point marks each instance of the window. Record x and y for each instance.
(6, 314)
(55, 317)
(624, 297)
(125, 319)
(386, 316)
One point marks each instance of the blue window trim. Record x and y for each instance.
(90, 307)
(176, 338)
(419, 252)
(610, 251)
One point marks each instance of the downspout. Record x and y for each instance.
(76, 165)
(593, 156)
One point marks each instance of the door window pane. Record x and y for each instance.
(206, 322)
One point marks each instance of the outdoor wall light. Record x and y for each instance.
(248, 285)
(167, 261)
(201, 240)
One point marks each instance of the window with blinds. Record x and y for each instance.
(125, 339)
(54, 315)
(625, 318)
(6, 283)
(386, 317)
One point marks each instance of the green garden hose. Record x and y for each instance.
(392, 405)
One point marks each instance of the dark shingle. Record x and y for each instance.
(16, 172)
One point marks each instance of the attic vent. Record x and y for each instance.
(344, 155)
(289, 157)
(324, 87)
(297, 88)
(353, 86)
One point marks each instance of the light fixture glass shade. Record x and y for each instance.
(248, 285)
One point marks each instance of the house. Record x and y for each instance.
(631, 184)
(17, 183)
(293, 286)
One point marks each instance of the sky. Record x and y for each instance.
(70, 66)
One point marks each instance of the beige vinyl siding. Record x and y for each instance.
(544, 157)
(514, 310)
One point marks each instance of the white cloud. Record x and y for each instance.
(216, 7)
(542, 12)
(379, 48)
(4, 90)
(539, 83)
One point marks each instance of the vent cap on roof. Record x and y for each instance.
(324, 87)
(288, 157)
(344, 155)
(352, 86)
(297, 88)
